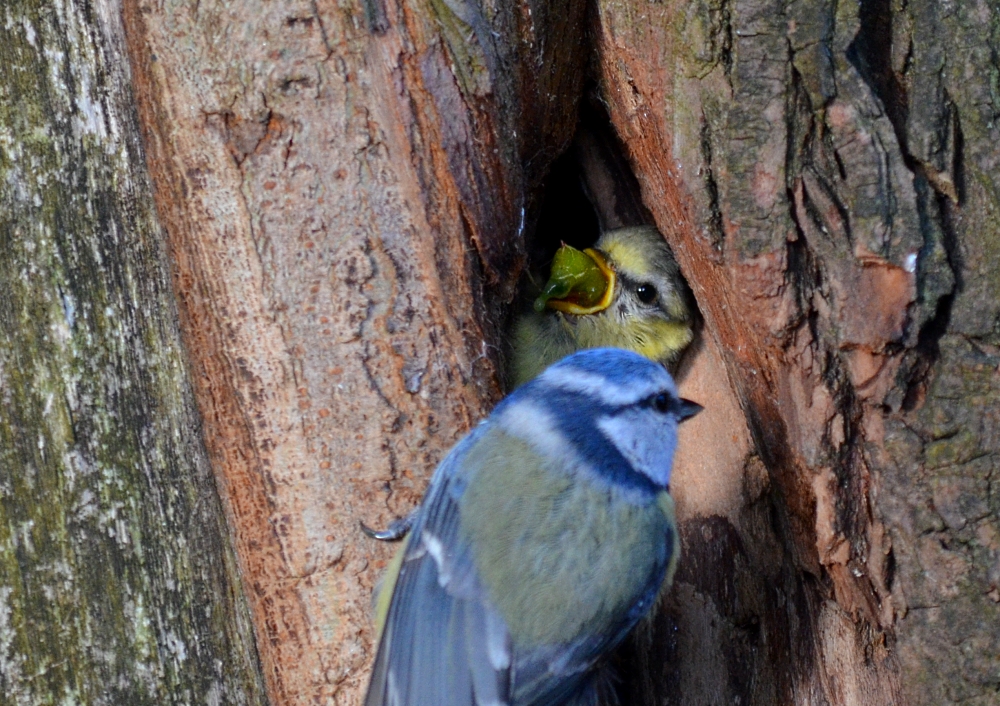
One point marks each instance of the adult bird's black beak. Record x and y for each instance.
(689, 409)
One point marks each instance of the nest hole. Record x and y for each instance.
(589, 189)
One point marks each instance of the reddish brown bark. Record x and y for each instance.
(773, 151)
(342, 190)
(349, 194)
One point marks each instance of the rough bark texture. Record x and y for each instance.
(118, 584)
(825, 173)
(345, 188)
(348, 190)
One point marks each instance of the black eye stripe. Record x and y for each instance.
(662, 402)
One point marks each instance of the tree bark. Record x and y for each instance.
(118, 584)
(350, 193)
(824, 172)
(344, 190)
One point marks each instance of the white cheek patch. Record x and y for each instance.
(646, 439)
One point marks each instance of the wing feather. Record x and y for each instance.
(442, 642)
(445, 643)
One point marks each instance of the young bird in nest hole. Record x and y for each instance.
(625, 292)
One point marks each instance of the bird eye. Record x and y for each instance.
(661, 402)
(646, 293)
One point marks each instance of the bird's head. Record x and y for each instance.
(627, 291)
(606, 408)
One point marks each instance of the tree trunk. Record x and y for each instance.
(350, 193)
(118, 584)
(824, 172)
(344, 198)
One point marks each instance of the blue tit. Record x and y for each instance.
(626, 292)
(545, 536)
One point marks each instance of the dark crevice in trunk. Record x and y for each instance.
(936, 214)
(871, 54)
(566, 214)
(712, 188)
(726, 32)
(589, 189)
(605, 171)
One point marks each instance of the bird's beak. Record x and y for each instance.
(688, 409)
(580, 282)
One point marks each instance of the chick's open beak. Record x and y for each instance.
(580, 282)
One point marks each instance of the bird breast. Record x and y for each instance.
(559, 555)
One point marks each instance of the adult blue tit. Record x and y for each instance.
(626, 292)
(545, 536)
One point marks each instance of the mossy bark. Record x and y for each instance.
(349, 191)
(826, 174)
(118, 584)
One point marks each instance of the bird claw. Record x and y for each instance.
(396, 530)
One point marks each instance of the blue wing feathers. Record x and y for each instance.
(445, 644)
(433, 648)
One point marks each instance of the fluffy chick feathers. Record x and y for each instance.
(648, 314)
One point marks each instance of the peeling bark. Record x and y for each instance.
(345, 190)
(806, 161)
(350, 192)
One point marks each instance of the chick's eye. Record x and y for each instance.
(661, 402)
(646, 293)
